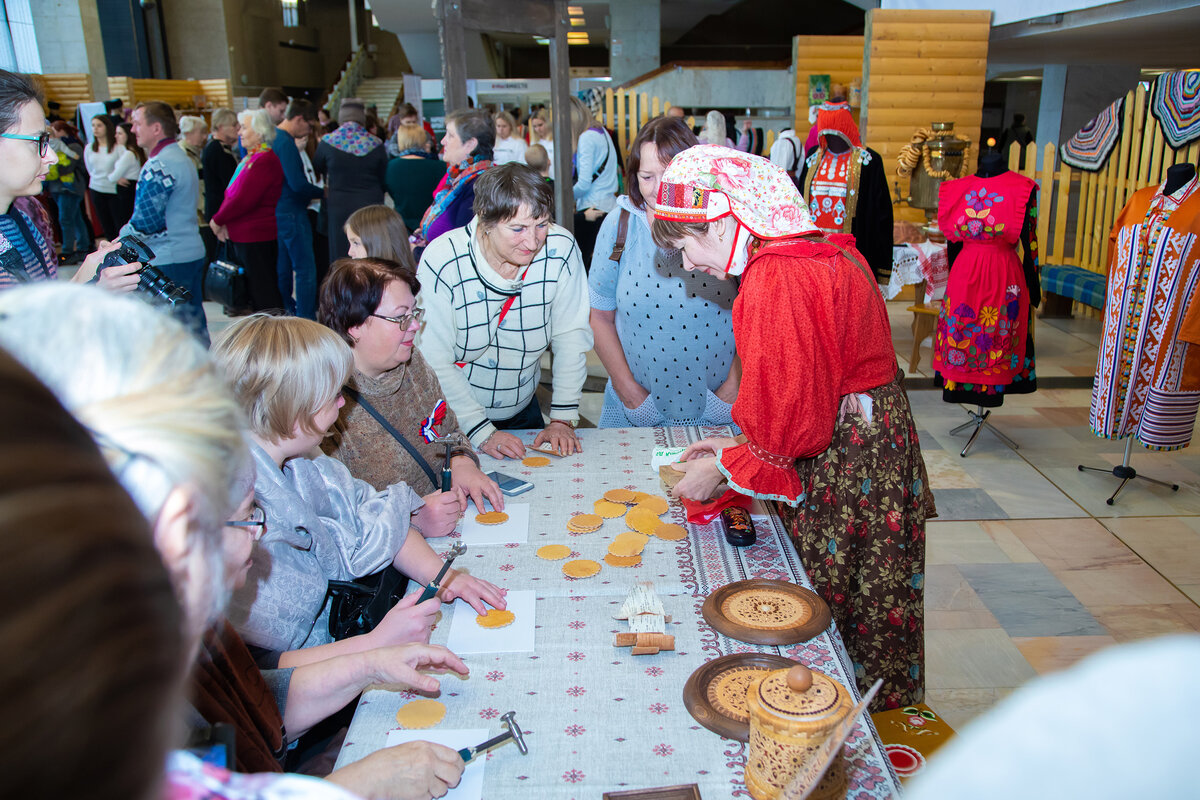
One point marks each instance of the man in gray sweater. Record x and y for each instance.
(164, 208)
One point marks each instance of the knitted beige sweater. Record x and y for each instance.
(405, 396)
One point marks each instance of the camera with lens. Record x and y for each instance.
(150, 280)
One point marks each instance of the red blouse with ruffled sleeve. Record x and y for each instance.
(811, 327)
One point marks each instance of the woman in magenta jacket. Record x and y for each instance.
(246, 219)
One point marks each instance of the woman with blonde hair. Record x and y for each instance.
(288, 374)
(541, 131)
(509, 146)
(148, 395)
(413, 175)
(246, 218)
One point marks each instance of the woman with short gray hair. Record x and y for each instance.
(467, 148)
(354, 163)
(498, 293)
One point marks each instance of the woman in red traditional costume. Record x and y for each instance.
(827, 427)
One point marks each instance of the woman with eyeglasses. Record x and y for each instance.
(26, 242)
(171, 433)
(370, 301)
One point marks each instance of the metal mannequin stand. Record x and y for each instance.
(978, 419)
(1126, 473)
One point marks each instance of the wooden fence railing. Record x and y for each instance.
(188, 96)
(626, 111)
(1076, 209)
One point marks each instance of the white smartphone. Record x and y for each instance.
(509, 485)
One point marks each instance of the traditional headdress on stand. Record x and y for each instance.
(836, 120)
(707, 182)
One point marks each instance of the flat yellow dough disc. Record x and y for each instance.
(640, 496)
(491, 518)
(642, 520)
(671, 532)
(421, 714)
(554, 552)
(581, 568)
(584, 523)
(628, 544)
(495, 618)
(622, 561)
(536, 461)
(654, 504)
(619, 496)
(609, 509)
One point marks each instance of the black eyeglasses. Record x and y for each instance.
(258, 519)
(406, 320)
(43, 140)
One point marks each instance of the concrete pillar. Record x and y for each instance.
(634, 39)
(1073, 95)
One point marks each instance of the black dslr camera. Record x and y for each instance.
(150, 280)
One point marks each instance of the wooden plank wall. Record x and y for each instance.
(179, 94)
(922, 67)
(839, 57)
(68, 89)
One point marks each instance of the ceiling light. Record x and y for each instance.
(540, 40)
(577, 34)
(577, 22)
(576, 11)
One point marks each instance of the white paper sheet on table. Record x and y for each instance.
(516, 529)
(466, 637)
(470, 787)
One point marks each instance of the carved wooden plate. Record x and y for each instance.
(715, 694)
(766, 612)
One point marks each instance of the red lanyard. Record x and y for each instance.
(503, 311)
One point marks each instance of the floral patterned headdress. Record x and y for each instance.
(837, 121)
(707, 182)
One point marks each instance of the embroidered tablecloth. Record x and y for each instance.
(597, 718)
(914, 263)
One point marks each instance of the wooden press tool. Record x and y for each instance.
(514, 732)
(433, 586)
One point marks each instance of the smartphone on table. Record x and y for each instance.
(509, 485)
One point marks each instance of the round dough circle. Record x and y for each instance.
(622, 561)
(421, 714)
(554, 552)
(671, 532)
(623, 496)
(495, 618)
(654, 504)
(536, 461)
(609, 509)
(581, 568)
(491, 518)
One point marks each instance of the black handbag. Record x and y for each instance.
(356, 607)
(225, 283)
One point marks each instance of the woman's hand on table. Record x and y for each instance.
(707, 447)
(475, 591)
(503, 445)
(561, 437)
(401, 664)
(411, 771)
(406, 622)
(440, 514)
(468, 477)
(700, 481)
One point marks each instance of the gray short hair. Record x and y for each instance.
(149, 394)
(352, 109)
(472, 123)
(189, 123)
(501, 191)
(223, 116)
(259, 121)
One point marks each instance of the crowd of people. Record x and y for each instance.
(297, 454)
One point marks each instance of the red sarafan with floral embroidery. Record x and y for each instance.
(980, 337)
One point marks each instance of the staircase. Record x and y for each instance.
(382, 93)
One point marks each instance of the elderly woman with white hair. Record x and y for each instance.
(246, 218)
(354, 163)
(173, 436)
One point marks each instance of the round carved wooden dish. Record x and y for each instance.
(715, 694)
(766, 612)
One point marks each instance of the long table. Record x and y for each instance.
(597, 718)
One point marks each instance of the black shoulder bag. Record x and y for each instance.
(356, 607)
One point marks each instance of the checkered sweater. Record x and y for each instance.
(463, 295)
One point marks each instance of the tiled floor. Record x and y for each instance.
(1029, 569)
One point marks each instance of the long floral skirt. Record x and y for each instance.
(860, 532)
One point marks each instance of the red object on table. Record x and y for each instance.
(703, 512)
